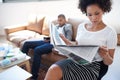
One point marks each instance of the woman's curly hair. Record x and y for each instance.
(105, 5)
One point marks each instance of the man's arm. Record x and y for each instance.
(68, 31)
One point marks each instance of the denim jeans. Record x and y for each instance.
(40, 47)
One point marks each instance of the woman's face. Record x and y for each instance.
(94, 13)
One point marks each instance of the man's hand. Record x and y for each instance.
(65, 39)
(62, 36)
(46, 40)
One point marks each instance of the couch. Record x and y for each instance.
(32, 30)
(36, 29)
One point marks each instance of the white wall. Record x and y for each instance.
(0, 1)
(17, 13)
(113, 18)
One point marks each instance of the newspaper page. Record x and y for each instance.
(55, 36)
(86, 52)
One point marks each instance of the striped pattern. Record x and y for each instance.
(75, 71)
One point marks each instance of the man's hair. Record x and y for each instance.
(61, 15)
(105, 5)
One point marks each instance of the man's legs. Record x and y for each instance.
(38, 51)
(31, 44)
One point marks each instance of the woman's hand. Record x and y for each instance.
(106, 54)
(103, 51)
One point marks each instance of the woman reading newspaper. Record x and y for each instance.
(44, 46)
(95, 33)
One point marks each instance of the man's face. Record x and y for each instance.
(61, 21)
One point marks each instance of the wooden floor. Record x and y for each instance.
(42, 72)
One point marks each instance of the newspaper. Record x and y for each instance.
(76, 52)
(55, 35)
(86, 52)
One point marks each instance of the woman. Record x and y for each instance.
(94, 33)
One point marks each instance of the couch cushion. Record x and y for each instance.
(35, 23)
(20, 36)
(75, 23)
(46, 24)
(37, 37)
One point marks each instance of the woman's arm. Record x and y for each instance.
(107, 55)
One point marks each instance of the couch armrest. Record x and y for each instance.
(15, 28)
(11, 29)
(118, 36)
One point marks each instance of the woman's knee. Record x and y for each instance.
(55, 68)
(54, 73)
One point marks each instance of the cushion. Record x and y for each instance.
(37, 37)
(19, 36)
(45, 29)
(112, 19)
(35, 23)
(75, 22)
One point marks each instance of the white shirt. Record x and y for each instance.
(105, 37)
(60, 30)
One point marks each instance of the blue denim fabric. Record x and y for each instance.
(40, 47)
